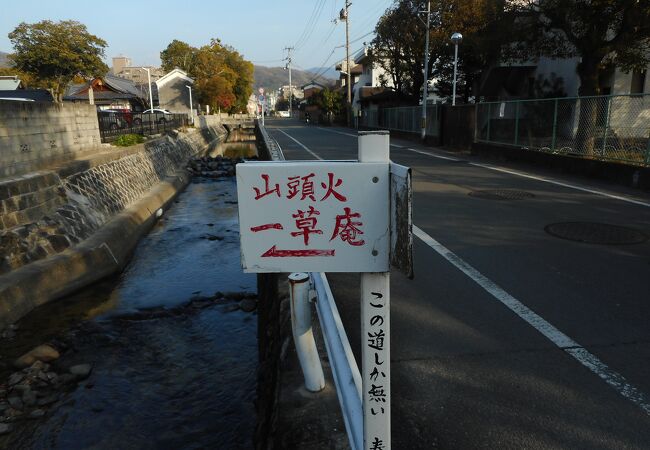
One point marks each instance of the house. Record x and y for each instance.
(173, 92)
(10, 83)
(311, 88)
(37, 95)
(110, 92)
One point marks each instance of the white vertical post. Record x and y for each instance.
(375, 323)
(303, 336)
(425, 87)
(191, 105)
(453, 96)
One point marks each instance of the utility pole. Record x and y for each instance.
(425, 87)
(344, 15)
(288, 66)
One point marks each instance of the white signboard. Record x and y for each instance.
(314, 216)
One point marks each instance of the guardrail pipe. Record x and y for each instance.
(345, 370)
(303, 335)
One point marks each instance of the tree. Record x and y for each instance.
(602, 33)
(178, 54)
(223, 79)
(54, 53)
(328, 101)
(486, 26)
(398, 47)
(400, 38)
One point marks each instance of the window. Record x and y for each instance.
(638, 82)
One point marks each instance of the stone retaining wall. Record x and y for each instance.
(45, 214)
(35, 135)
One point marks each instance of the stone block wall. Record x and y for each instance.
(42, 214)
(35, 135)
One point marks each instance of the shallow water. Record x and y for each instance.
(181, 380)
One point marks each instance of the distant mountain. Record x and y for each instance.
(272, 78)
(4, 62)
(327, 72)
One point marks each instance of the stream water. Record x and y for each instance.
(168, 372)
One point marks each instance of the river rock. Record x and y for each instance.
(248, 305)
(81, 371)
(5, 428)
(48, 400)
(36, 414)
(16, 402)
(16, 378)
(29, 398)
(43, 352)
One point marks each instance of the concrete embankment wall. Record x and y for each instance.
(35, 135)
(103, 206)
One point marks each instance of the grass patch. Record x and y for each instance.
(126, 140)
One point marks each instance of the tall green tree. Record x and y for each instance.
(224, 79)
(602, 33)
(400, 39)
(178, 54)
(55, 52)
(398, 47)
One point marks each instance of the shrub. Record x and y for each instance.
(127, 140)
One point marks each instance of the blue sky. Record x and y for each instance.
(258, 29)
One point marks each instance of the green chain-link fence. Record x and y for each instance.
(614, 128)
(406, 119)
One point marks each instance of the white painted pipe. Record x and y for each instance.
(344, 367)
(303, 335)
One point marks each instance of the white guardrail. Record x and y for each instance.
(364, 395)
(345, 370)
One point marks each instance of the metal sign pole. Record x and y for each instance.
(375, 325)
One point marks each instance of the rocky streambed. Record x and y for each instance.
(162, 356)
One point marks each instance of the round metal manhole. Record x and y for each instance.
(501, 194)
(596, 233)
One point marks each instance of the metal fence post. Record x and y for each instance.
(607, 118)
(554, 136)
(647, 152)
(489, 115)
(375, 328)
(303, 336)
(516, 123)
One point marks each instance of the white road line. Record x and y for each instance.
(560, 183)
(448, 158)
(561, 340)
(337, 132)
(354, 135)
(539, 178)
(300, 144)
(590, 361)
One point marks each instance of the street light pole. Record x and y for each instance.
(191, 106)
(288, 66)
(456, 38)
(345, 15)
(425, 88)
(149, 81)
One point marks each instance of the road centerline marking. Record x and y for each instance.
(354, 135)
(557, 337)
(300, 144)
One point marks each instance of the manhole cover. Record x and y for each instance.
(596, 233)
(501, 194)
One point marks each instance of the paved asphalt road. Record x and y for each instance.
(538, 342)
